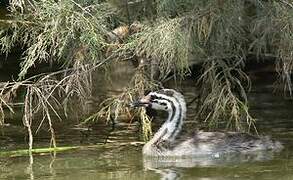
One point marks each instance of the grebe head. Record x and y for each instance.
(160, 100)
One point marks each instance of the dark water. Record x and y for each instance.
(119, 158)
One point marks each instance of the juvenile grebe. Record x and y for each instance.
(164, 144)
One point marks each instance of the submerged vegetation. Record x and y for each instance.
(75, 38)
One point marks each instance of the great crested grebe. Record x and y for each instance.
(164, 144)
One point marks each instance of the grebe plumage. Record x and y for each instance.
(164, 144)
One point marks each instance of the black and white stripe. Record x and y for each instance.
(176, 108)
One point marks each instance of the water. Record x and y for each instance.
(114, 162)
(116, 154)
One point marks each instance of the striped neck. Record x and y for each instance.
(172, 126)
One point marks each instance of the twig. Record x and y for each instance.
(47, 75)
(17, 21)
(287, 3)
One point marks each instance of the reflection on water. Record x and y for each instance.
(167, 174)
(119, 159)
(125, 162)
(208, 160)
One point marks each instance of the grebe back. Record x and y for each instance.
(164, 144)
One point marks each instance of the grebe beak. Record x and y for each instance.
(143, 102)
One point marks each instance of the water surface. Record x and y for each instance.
(116, 153)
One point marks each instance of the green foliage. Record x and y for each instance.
(224, 96)
(131, 10)
(172, 8)
(272, 34)
(55, 31)
(166, 44)
(220, 34)
(171, 36)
